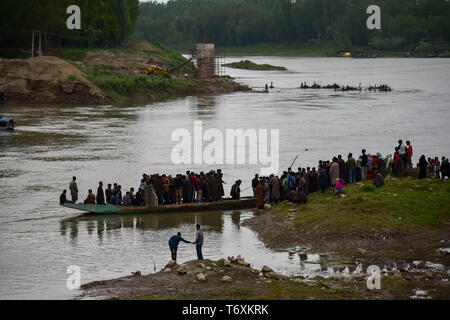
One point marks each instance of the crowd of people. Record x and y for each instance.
(155, 190)
(296, 186)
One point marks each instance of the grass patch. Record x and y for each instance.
(119, 85)
(399, 204)
(249, 65)
(220, 263)
(239, 293)
(73, 78)
(295, 291)
(71, 54)
(283, 207)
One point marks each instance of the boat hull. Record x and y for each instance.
(192, 207)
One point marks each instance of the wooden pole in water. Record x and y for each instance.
(32, 44)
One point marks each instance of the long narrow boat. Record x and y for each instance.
(226, 204)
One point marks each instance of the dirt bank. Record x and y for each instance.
(47, 80)
(235, 279)
(106, 76)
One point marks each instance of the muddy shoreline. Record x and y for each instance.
(235, 279)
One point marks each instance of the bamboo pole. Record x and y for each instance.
(32, 44)
(40, 44)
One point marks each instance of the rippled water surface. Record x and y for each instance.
(39, 239)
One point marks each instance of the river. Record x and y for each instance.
(39, 239)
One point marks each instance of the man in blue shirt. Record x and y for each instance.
(199, 242)
(173, 245)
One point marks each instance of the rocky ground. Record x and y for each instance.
(235, 279)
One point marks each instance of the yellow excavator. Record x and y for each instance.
(154, 70)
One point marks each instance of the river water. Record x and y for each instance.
(39, 239)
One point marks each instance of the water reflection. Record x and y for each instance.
(205, 107)
(212, 221)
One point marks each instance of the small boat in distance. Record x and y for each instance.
(226, 204)
(6, 123)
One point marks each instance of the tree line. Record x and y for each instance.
(405, 23)
(103, 22)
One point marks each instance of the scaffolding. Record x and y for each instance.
(208, 61)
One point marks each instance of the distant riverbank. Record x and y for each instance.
(323, 51)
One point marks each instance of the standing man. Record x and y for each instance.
(409, 154)
(334, 172)
(402, 153)
(255, 183)
(236, 190)
(364, 160)
(173, 244)
(108, 193)
(351, 166)
(198, 242)
(100, 194)
(74, 190)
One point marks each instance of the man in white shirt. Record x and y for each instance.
(402, 151)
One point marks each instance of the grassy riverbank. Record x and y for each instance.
(125, 86)
(405, 219)
(400, 225)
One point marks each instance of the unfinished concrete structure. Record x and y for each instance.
(208, 61)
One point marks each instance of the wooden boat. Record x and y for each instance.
(226, 204)
(6, 124)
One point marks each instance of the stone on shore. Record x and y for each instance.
(226, 279)
(201, 277)
(358, 276)
(266, 269)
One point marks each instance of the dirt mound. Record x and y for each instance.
(47, 79)
(119, 62)
(141, 45)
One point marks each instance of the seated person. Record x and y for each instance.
(138, 200)
(302, 198)
(126, 201)
(114, 199)
(291, 196)
(62, 197)
(90, 198)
